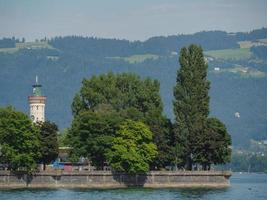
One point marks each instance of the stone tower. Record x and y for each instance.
(37, 103)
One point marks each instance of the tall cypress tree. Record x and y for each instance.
(191, 104)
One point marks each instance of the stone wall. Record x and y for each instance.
(104, 179)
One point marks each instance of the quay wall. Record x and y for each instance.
(107, 179)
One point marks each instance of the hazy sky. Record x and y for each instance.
(128, 19)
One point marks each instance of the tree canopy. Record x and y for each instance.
(214, 145)
(19, 140)
(121, 92)
(199, 140)
(91, 135)
(104, 98)
(132, 148)
(191, 104)
(49, 142)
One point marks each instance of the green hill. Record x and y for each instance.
(235, 54)
(62, 62)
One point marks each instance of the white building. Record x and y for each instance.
(37, 103)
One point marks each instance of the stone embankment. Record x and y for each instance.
(107, 179)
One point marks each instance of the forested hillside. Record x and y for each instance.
(237, 70)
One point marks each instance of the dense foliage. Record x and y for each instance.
(252, 35)
(214, 145)
(260, 51)
(19, 140)
(191, 104)
(91, 135)
(102, 104)
(132, 149)
(247, 162)
(197, 136)
(100, 133)
(97, 47)
(120, 92)
(49, 142)
(8, 42)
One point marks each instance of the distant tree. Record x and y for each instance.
(191, 104)
(215, 144)
(7, 43)
(260, 51)
(244, 161)
(49, 142)
(239, 162)
(132, 149)
(19, 140)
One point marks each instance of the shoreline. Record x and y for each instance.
(110, 180)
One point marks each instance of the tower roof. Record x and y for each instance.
(37, 88)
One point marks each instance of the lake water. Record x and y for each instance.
(243, 187)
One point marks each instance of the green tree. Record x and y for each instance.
(132, 98)
(62, 138)
(120, 91)
(19, 140)
(215, 144)
(91, 135)
(191, 104)
(132, 149)
(177, 156)
(49, 142)
(161, 128)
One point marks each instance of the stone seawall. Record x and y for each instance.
(104, 179)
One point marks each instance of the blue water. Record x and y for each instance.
(243, 187)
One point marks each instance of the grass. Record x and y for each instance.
(33, 45)
(139, 58)
(8, 50)
(245, 72)
(26, 45)
(227, 54)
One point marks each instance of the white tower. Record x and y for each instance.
(37, 103)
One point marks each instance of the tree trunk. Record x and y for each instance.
(204, 167)
(189, 163)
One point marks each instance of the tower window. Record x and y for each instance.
(37, 107)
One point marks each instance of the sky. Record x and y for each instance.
(132, 19)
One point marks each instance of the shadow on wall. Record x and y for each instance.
(23, 176)
(130, 180)
(27, 178)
